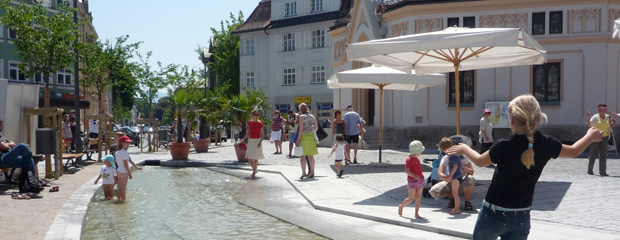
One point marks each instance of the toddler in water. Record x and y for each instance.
(339, 149)
(456, 177)
(415, 179)
(108, 176)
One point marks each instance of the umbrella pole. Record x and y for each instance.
(457, 95)
(380, 120)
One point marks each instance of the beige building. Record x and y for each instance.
(581, 70)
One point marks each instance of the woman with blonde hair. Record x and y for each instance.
(520, 160)
(305, 139)
(255, 134)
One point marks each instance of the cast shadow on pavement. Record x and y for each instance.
(547, 197)
(366, 169)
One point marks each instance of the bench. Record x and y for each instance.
(71, 159)
(89, 152)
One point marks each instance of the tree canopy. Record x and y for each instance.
(226, 53)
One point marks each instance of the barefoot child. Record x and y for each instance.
(455, 177)
(123, 172)
(339, 149)
(108, 176)
(415, 179)
(519, 160)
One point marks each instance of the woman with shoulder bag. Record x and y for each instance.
(305, 139)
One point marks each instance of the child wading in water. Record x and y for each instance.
(123, 172)
(339, 149)
(520, 160)
(415, 179)
(108, 176)
(456, 177)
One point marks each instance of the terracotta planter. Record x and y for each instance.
(201, 145)
(179, 150)
(240, 149)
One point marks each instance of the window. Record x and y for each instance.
(63, 77)
(318, 74)
(15, 73)
(454, 22)
(538, 23)
(318, 39)
(289, 42)
(290, 9)
(289, 76)
(555, 22)
(466, 87)
(38, 78)
(249, 79)
(316, 5)
(1, 31)
(12, 34)
(546, 81)
(322, 107)
(283, 108)
(469, 22)
(249, 47)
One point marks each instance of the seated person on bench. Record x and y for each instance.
(19, 156)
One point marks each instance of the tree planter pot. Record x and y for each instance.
(202, 145)
(179, 150)
(240, 149)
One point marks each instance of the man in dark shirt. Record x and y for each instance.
(19, 156)
(72, 121)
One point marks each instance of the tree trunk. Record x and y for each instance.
(46, 95)
(179, 128)
(101, 104)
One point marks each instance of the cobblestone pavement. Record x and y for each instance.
(565, 194)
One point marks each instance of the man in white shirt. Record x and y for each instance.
(93, 125)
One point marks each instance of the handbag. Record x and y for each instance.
(321, 134)
(299, 150)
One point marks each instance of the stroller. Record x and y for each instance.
(434, 177)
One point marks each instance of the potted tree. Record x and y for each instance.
(181, 95)
(209, 110)
(239, 108)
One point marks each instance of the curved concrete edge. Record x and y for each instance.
(444, 231)
(68, 223)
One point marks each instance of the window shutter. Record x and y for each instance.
(241, 44)
(297, 40)
(279, 43)
(283, 10)
(325, 5)
(328, 71)
(307, 42)
(307, 75)
(279, 79)
(328, 38)
(297, 76)
(1, 31)
(242, 81)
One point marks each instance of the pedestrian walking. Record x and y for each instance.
(255, 134)
(486, 131)
(600, 121)
(276, 131)
(292, 122)
(306, 139)
(339, 149)
(520, 160)
(415, 178)
(354, 126)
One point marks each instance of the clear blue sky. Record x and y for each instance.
(171, 29)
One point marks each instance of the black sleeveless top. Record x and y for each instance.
(340, 128)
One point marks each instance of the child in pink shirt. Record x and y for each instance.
(415, 179)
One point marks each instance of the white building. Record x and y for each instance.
(581, 71)
(286, 51)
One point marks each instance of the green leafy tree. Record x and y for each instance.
(44, 39)
(239, 108)
(150, 81)
(99, 58)
(226, 53)
(183, 90)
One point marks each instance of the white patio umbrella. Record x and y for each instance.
(451, 50)
(616, 33)
(377, 77)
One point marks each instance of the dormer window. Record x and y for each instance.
(316, 5)
(290, 9)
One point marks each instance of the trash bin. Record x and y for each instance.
(46, 141)
(163, 135)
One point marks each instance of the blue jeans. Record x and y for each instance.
(509, 225)
(21, 157)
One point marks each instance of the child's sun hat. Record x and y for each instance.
(415, 147)
(110, 159)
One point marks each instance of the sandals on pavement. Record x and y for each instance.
(54, 189)
(468, 206)
(451, 203)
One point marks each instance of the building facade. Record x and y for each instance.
(581, 69)
(286, 50)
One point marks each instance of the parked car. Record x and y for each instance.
(129, 132)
